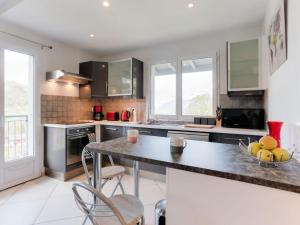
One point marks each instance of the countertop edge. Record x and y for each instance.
(209, 172)
(164, 127)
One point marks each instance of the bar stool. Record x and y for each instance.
(116, 210)
(108, 172)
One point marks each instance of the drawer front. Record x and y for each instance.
(111, 132)
(233, 138)
(151, 132)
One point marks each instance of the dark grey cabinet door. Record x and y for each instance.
(111, 132)
(232, 138)
(137, 79)
(98, 71)
(151, 132)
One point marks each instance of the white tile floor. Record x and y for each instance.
(47, 201)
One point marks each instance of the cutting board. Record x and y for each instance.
(199, 126)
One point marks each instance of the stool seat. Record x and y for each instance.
(109, 172)
(129, 206)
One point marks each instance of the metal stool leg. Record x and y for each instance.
(118, 184)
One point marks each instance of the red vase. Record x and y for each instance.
(275, 130)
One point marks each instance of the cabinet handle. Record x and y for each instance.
(106, 87)
(235, 139)
(145, 132)
(109, 128)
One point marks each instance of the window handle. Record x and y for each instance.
(2, 121)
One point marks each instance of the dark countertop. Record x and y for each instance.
(214, 159)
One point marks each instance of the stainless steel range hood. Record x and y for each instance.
(66, 77)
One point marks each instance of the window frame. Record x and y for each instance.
(213, 56)
(159, 116)
(179, 61)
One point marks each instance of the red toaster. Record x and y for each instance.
(112, 116)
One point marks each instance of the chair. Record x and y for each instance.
(108, 172)
(100, 210)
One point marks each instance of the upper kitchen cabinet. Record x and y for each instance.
(125, 78)
(244, 67)
(98, 72)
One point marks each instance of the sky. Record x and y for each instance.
(17, 67)
(194, 84)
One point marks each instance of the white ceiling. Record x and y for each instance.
(128, 24)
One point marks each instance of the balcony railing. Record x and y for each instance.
(16, 137)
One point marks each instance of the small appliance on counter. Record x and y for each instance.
(243, 118)
(125, 116)
(112, 116)
(98, 113)
(205, 120)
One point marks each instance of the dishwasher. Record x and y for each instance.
(190, 135)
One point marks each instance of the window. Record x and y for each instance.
(164, 96)
(18, 75)
(197, 87)
(183, 90)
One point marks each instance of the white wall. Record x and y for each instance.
(62, 56)
(284, 84)
(193, 47)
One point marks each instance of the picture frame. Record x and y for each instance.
(277, 38)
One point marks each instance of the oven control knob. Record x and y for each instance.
(77, 131)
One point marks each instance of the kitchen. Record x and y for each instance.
(209, 83)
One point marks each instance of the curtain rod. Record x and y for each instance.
(26, 39)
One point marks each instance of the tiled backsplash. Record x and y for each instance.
(241, 101)
(56, 109)
(120, 104)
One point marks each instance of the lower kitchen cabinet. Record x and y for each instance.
(63, 149)
(108, 133)
(232, 138)
(151, 132)
(147, 166)
(111, 132)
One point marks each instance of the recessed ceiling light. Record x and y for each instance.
(92, 35)
(105, 4)
(191, 5)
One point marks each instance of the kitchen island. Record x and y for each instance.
(214, 183)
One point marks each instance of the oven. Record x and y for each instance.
(77, 139)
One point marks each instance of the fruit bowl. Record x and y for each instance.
(264, 163)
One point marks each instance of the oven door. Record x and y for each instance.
(75, 145)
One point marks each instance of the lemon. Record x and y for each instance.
(264, 155)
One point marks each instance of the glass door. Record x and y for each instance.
(120, 78)
(17, 130)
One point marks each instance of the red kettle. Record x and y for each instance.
(125, 115)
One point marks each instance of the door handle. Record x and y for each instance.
(145, 132)
(2, 121)
(76, 137)
(108, 128)
(235, 139)
(106, 87)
